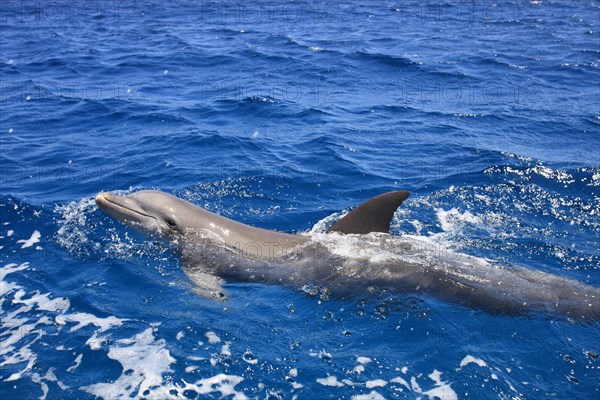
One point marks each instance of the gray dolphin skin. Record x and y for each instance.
(356, 255)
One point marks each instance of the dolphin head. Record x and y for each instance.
(150, 212)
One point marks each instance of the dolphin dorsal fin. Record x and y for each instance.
(373, 215)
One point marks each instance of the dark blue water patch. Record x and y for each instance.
(384, 59)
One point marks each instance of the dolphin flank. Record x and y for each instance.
(214, 248)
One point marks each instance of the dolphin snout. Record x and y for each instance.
(100, 197)
(103, 198)
(121, 207)
(103, 203)
(108, 202)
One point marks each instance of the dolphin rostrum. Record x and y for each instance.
(357, 253)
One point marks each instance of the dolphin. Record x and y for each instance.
(214, 248)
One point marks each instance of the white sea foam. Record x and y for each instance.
(452, 220)
(414, 385)
(470, 359)
(375, 383)
(324, 355)
(226, 350)
(33, 239)
(363, 360)
(401, 381)
(20, 332)
(191, 368)
(330, 381)
(348, 382)
(85, 319)
(42, 301)
(373, 395)
(51, 376)
(212, 337)
(7, 287)
(77, 363)
(144, 360)
(293, 374)
(221, 383)
(96, 341)
(443, 391)
(44, 386)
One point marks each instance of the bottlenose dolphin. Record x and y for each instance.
(214, 248)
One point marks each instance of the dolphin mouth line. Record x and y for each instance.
(127, 208)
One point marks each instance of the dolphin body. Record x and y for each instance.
(215, 248)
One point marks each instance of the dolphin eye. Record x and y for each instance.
(170, 223)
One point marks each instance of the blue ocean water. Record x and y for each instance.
(281, 115)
